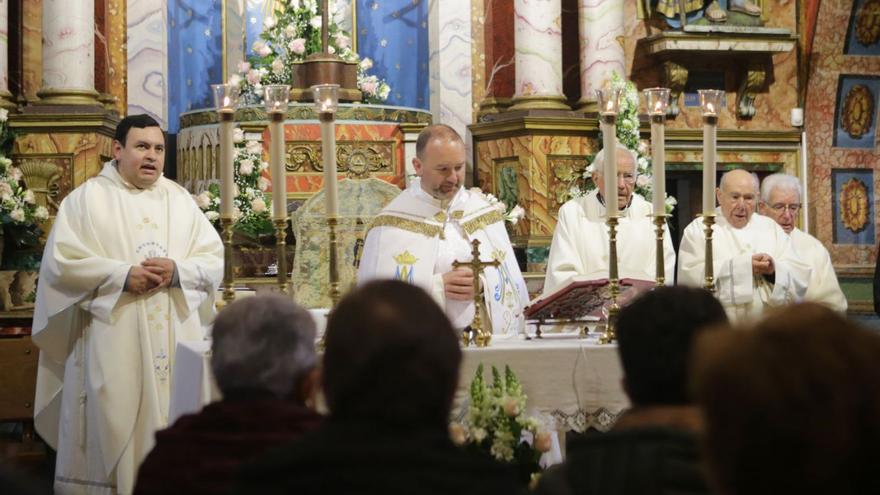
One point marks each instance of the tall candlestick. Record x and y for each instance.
(657, 100)
(609, 172)
(328, 140)
(227, 174)
(710, 99)
(276, 165)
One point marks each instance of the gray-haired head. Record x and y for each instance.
(263, 343)
(599, 160)
(784, 182)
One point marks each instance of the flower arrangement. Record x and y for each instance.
(19, 212)
(252, 203)
(291, 35)
(627, 135)
(512, 214)
(496, 424)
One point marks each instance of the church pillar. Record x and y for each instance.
(538, 46)
(68, 53)
(601, 40)
(5, 96)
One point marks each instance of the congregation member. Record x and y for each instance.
(792, 405)
(264, 360)
(653, 446)
(130, 268)
(754, 265)
(781, 200)
(431, 224)
(580, 241)
(390, 371)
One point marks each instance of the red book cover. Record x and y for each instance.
(583, 298)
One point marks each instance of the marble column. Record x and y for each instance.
(68, 53)
(537, 28)
(5, 96)
(601, 35)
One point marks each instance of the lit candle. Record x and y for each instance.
(608, 100)
(709, 102)
(225, 99)
(275, 98)
(657, 100)
(326, 102)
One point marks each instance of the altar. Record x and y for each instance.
(571, 384)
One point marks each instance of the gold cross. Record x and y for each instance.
(481, 337)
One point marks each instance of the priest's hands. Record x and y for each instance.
(140, 280)
(459, 284)
(162, 267)
(762, 264)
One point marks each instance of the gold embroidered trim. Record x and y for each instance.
(405, 224)
(482, 221)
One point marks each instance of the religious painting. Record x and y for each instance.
(855, 119)
(853, 205)
(863, 33)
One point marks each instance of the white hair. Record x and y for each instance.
(599, 160)
(784, 182)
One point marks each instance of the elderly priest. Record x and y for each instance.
(580, 242)
(754, 264)
(431, 224)
(781, 201)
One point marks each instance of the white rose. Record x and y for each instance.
(258, 205)
(254, 147)
(244, 66)
(204, 200)
(264, 166)
(246, 167)
(29, 197)
(5, 189)
(290, 30)
(15, 173)
(238, 135)
(331, 50)
(236, 213)
(315, 22)
(366, 63)
(235, 80)
(212, 215)
(479, 434)
(643, 181)
(294, 4)
(263, 183)
(4, 115)
(277, 66)
(41, 213)
(17, 214)
(269, 22)
(457, 433)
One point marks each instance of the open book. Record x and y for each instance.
(583, 298)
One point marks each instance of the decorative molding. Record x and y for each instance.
(674, 77)
(300, 111)
(752, 81)
(49, 177)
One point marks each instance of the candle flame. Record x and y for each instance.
(227, 102)
(658, 107)
(710, 108)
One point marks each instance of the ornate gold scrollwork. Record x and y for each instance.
(752, 82)
(854, 205)
(43, 177)
(303, 157)
(674, 77)
(359, 160)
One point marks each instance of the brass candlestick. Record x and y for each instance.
(709, 283)
(481, 336)
(228, 276)
(659, 223)
(335, 294)
(610, 334)
(281, 252)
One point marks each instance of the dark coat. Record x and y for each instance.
(374, 459)
(202, 453)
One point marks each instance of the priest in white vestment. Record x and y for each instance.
(431, 224)
(781, 201)
(580, 242)
(130, 268)
(754, 265)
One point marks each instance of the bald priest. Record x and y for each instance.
(754, 264)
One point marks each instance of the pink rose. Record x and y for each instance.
(258, 205)
(297, 46)
(457, 434)
(263, 183)
(244, 66)
(342, 41)
(369, 87)
(253, 76)
(511, 407)
(543, 441)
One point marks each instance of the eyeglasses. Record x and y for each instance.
(780, 207)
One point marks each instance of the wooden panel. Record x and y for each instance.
(18, 378)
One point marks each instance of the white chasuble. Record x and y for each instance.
(823, 287)
(103, 382)
(580, 243)
(416, 238)
(743, 294)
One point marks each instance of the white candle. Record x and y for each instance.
(328, 140)
(227, 174)
(658, 163)
(710, 123)
(609, 173)
(276, 165)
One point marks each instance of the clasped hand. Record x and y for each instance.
(762, 264)
(459, 284)
(152, 274)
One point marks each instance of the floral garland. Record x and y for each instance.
(292, 35)
(252, 203)
(496, 424)
(627, 135)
